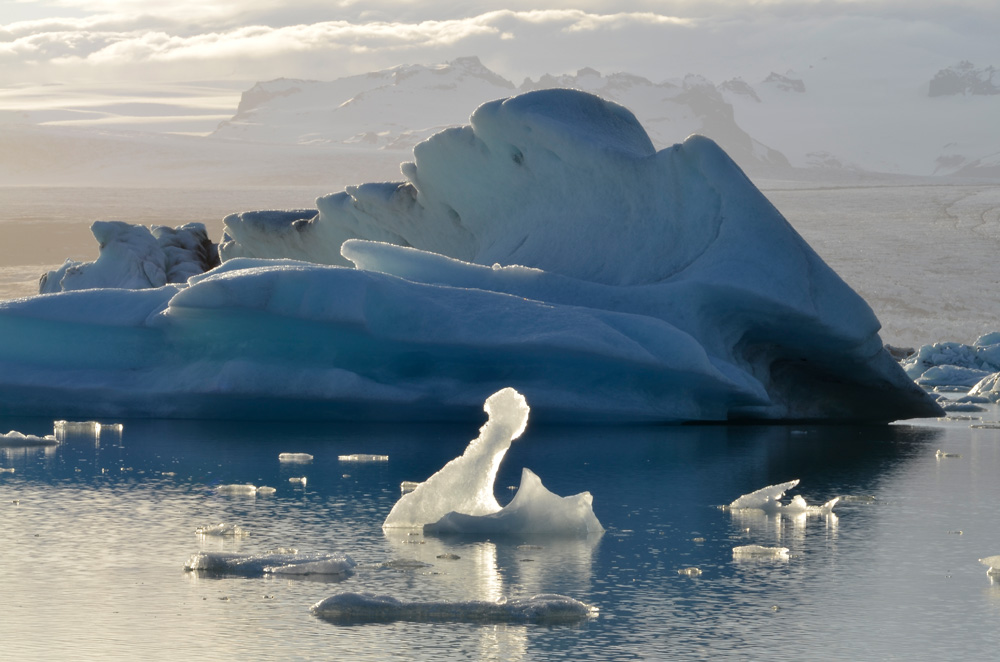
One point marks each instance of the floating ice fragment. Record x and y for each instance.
(6, 470)
(768, 499)
(18, 439)
(941, 454)
(363, 457)
(858, 498)
(264, 490)
(302, 480)
(690, 572)
(282, 561)
(248, 489)
(760, 552)
(459, 497)
(369, 607)
(295, 457)
(992, 564)
(222, 530)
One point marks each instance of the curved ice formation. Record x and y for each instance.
(992, 564)
(370, 607)
(268, 563)
(768, 500)
(459, 497)
(653, 287)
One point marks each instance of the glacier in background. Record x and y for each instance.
(547, 246)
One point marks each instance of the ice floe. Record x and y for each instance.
(992, 564)
(280, 562)
(247, 489)
(546, 246)
(362, 457)
(222, 530)
(459, 497)
(370, 607)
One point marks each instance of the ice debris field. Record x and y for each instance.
(546, 246)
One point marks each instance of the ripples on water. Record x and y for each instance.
(96, 533)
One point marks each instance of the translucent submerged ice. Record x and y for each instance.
(546, 246)
(267, 563)
(370, 607)
(222, 530)
(759, 552)
(15, 438)
(459, 497)
(768, 500)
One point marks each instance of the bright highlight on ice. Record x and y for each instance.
(459, 497)
(370, 607)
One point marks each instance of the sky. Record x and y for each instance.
(117, 41)
(188, 60)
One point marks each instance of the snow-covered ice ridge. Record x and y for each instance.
(546, 246)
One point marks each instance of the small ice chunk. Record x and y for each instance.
(992, 564)
(370, 607)
(941, 454)
(282, 561)
(301, 480)
(17, 439)
(295, 457)
(363, 457)
(222, 530)
(264, 490)
(6, 470)
(690, 572)
(408, 486)
(768, 499)
(760, 552)
(247, 489)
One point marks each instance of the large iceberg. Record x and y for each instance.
(547, 246)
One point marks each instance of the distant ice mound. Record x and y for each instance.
(459, 497)
(547, 246)
(135, 257)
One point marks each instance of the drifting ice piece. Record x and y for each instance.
(758, 552)
(19, 439)
(369, 607)
(459, 498)
(247, 489)
(295, 457)
(362, 457)
(768, 499)
(222, 530)
(281, 562)
(992, 564)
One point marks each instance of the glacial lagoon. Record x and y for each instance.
(97, 531)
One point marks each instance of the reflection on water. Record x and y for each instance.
(96, 532)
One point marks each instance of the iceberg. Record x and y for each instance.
(370, 607)
(545, 246)
(992, 564)
(459, 497)
(15, 439)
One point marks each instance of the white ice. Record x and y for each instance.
(655, 286)
(768, 500)
(459, 497)
(247, 489)
(222, 530)
(270, 563)
(18, 439)
(362, 457)
(370, 607)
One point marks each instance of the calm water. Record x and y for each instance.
(95, 534)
